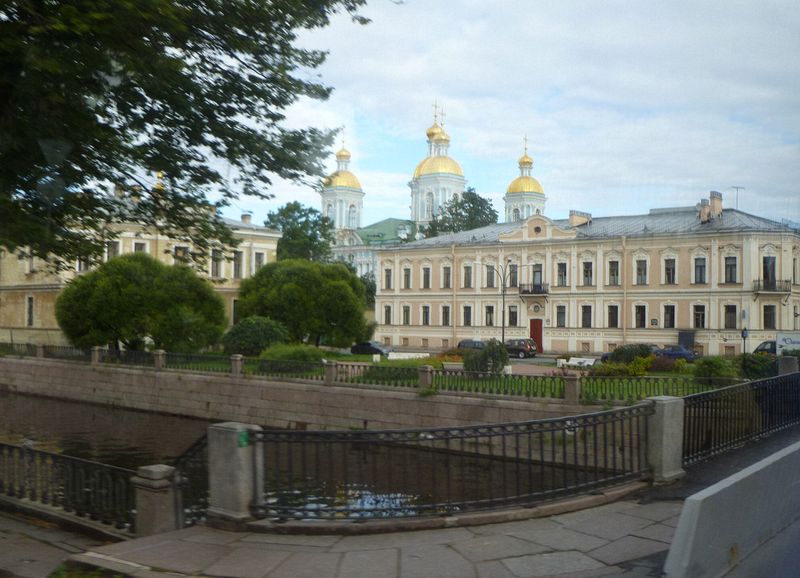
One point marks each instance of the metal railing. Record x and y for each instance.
(25, 349)
(313, 370)
(420, 472)
(67, 352)
(192, 467)
(82, 487)
(127, 357)
(534, 288)
(499, 384)
(717, 421)
(377, 374)
(194, 362)
(626, 388)
(772, 286)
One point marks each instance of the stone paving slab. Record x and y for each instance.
(660, 532)
(610, 526)
(562, 539)
(551, 564)
(434, 561)
(401, 539)
(495, 547)
(627, 548)
(179, 555)
(656, 511)
(246, 563)
(370, 563)
(308, 565)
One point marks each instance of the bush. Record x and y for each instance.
(663, 364)
(253, 335)
(628, 353)
(608, 369)
(282, 352)
(706, 369)
(757, 365)
(492, 358)
(640, 365)
(682, 366)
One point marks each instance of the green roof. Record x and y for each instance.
(387, 231)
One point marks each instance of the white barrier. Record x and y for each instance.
(407, 355)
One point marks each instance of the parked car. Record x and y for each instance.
(623, 349)
(521, 348)
(676, 352)
(471, 344)
(371, 348)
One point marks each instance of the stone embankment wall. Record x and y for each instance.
(253, 400)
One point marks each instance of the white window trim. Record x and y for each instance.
(636, 304)
(664, 257)
(663, 318)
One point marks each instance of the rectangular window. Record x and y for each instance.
(641, 316)
(561, 315)
(699, 316)
(181, 253)
(588, 279)
(83, 265)
(562, 275)
(139, 247)
(669, 271)
(235, 312)
(112, 249)
(387, 314)
(730, 269)
(387, 278)
(768, 264)
(467, 315)
(513, 276)
(259, 260)
(730, 317)
(237, 264)
(613, 316)
(613, 272)
(29, 312)
(700, 270)
(445, 277)
(426, 277)
(669, 317)
(216, 263)
(489, 276)
(641, 272)
(769, 317)
(406, 315)
(512, 316)
(537, 275)
(406, 278)
(794, 271)
(426, 315)
(446, 315)
(467, 277)
(489, 315)
(586, 316)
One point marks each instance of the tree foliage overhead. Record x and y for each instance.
(307, 234)
(463, 213)
(94, 93)
(134, 298)
(316, 302)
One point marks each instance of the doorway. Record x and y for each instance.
(536, 334)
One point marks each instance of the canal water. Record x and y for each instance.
(115, 436)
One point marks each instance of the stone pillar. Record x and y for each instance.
(97, 354)
(237, 365)
(572, 389)
(158, 507)
(787, 364)
(231, 474)
(39, 350)
(425, 376)
(159, 359)
(330, 371)
(665, 439)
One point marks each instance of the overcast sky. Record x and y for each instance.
(626, 105)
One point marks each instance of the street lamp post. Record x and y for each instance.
(503, 272)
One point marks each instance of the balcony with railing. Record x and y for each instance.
(534, 288)
(772, 286)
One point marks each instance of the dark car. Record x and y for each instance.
(676, 352)
(371, 348)
(521, 348)
(632, 347)
(471, 344)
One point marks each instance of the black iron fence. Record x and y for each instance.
(626, 388)
(24, 349)
(195, 362)
(66, 352)
(127, 357)
(499, 384)
(313, 370)
(377, 374)
(717, 421)
(88, 489)
(192, 469)
(419, 472)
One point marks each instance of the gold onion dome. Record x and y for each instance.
(342, 179)
(434, 131)
(435, 165)
(442, 137)
(525, 184)
(343, 155)
(525, 161)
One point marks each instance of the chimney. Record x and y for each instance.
(716, 204)
(704, 211)
(578, 218)
(246, 218)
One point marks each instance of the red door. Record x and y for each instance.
(536, 333)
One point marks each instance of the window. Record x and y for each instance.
(769, 317)
(669, 271)
(513, 275)
(112, 249)
(700, 270)
(235, 312)
(640, 317)
(259, 260)
(467, 315)
(406, 315)
(794, 271)
(489, 315)
(562, 275)
(613, 272)
(669, 317)
(139, 247)
(426, 277)
(406, 278)
(613, 316)
(426, 315)
(181, 253)
(588, 281)
(237, 264)
(216, 263)
(387, 314)
(83, 265)
(586, 316)
(467, 276)
(641, 272)
(489, 276)
(387, 278)
(699, 316)
(561, 315)
(768, 264)
(537, 275)
(29, 312)
(446, 315)
(730, 317)
(730, 269)
(512, 316)
(446, 277)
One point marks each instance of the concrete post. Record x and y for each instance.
(231, 474)
(237, 365)
(665, 439)
(97, 354)
(39, 350)
(330, 372)
(787, 364)
(157, 500)
(159, 359)
(572, 389)
(425, 376)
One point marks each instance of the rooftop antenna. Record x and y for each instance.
(737, 194)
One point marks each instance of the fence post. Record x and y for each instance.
(39, 350)
(231, 474)
(572, 388)
(787, 364)
(330, 371)
(97, 354)
(425, 376)
(159, 359)
(237, 365)
(156, 495)
(665, 439)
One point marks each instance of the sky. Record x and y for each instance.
(626, 106)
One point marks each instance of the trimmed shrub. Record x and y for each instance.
(283, 352)
(253, 335)
(663, 364)
(707, 369)
(640, 366)
(608, 369)
(627, 353)
(757, 365)
(492, 358)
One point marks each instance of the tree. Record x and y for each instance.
(370, 288)
(464, 213)
(316, 302)
(133, 299)
(307, 234)
(252, 335)
(95, 93)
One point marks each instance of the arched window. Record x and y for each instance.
(429, 205)
(351, 217)
(515, 215)
(329, 212)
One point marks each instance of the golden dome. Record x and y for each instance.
(434, 131)
(442, 137)
(525, 184)
(434, 165)
(525, 161)
(343, 155)
(342, 179)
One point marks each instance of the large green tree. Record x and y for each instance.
(307, 234)
(94, 93)
(316, 302)
(463, 213)
(133, 299)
